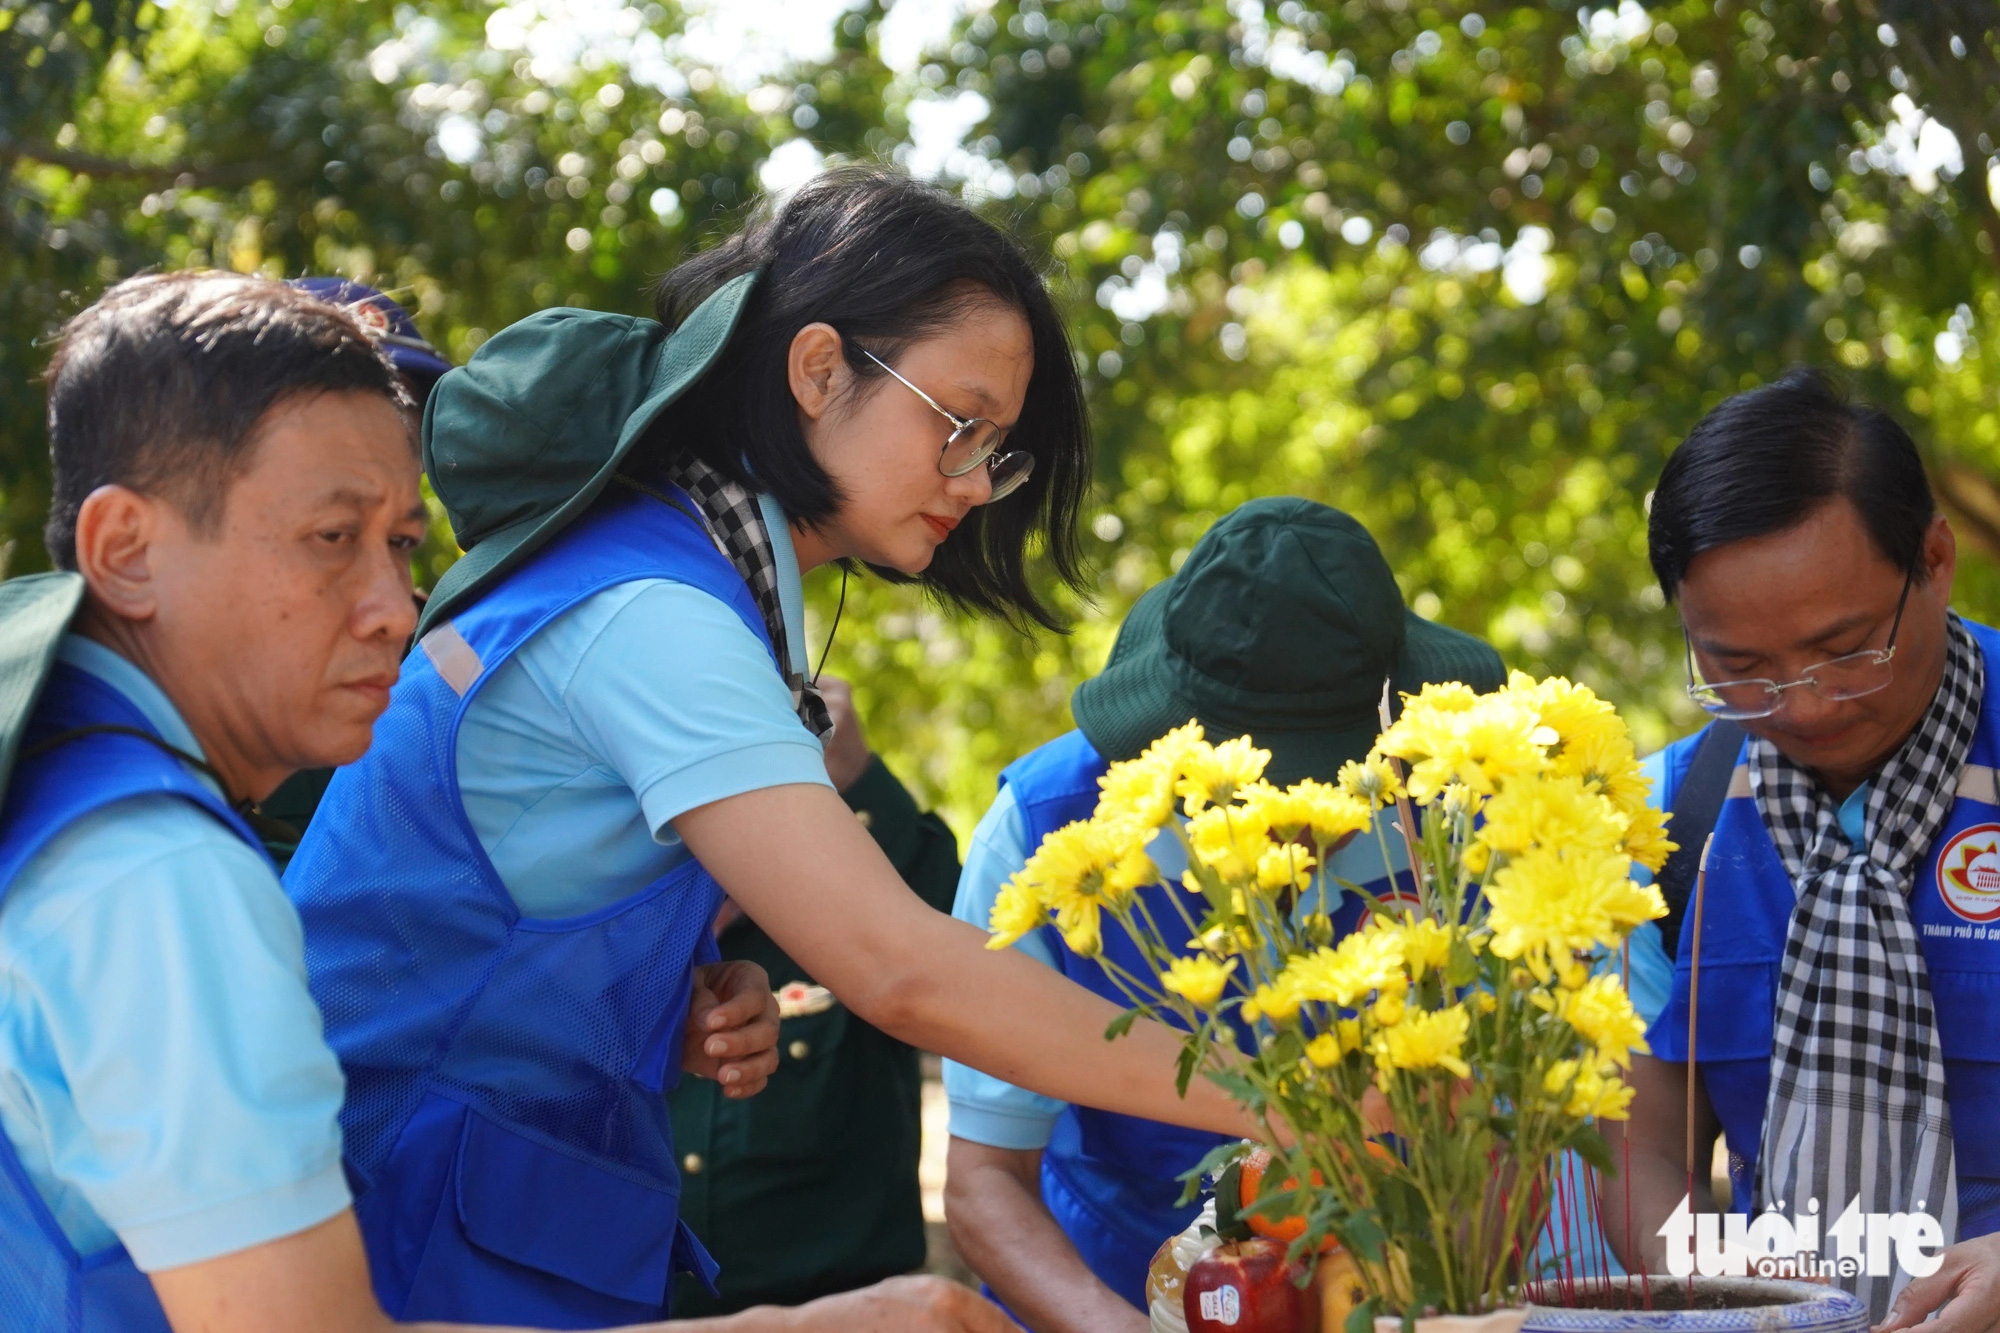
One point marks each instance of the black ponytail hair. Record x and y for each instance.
(887, 261)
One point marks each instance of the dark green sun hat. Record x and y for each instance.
(522, 438)
(1282, 625)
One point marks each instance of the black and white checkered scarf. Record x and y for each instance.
(737, 526)
(1857, 1101)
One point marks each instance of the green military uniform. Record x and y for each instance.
(810, 1187)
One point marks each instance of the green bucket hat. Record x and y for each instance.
(520, 439)
(35, 611)
(1282, 624)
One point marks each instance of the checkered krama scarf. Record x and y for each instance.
(1857, 1100)
(736, 525)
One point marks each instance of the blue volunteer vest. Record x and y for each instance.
(1956, 909)
(44, 1282)
(1112, 1181)
(506, 1124)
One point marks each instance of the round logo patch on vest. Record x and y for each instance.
(1968, 873)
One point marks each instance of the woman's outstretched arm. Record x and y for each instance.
(797, 861)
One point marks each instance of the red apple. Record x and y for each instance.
(1248, 1287)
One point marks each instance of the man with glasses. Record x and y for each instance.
(1844, 801)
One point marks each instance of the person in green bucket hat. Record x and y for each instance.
(609, 722)
(1284, 624)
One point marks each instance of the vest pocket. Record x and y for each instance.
(549, 1211)
(525, 1233)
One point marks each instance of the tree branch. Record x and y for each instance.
(1972, 501)
(168, 174)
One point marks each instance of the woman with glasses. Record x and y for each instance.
(610, 723)
(1829, 978)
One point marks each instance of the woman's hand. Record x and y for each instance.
(732, 1028)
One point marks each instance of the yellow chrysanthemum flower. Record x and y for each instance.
(1230, 840)
(1548, 900)
(1480, 746)
(1388, 1009)
(1139, 790)
(1588, 1093)
(1284, 867)
(1370, 959)
(1081, 930)
(1578, 721)
(1426, 945)
(1214, 774)
(1090, 859)
(1324, 1050)
(1016, 912)
(1646, 840)
(1602, 1014)
(1198, 980)
(1349, 1032)
(1426, 1040)
(1329, 813)
(1279, 1001)
(1372, 781)
(1552, 812)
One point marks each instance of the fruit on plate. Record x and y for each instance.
(1251, 1172)
(1251, 1184)
(1168, 1272)
(1249, 1286)
(1337, 1282)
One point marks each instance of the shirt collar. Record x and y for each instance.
(138, 689)
(791, 588)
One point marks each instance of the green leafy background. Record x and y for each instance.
(1467, 271)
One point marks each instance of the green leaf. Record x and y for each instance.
(1122, 1024)
(1228, 1200)
(1361, 1319)
(1462, 969)
(1592, 1148)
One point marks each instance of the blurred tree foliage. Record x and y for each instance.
(1468, 271)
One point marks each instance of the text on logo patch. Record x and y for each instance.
(1968, 873)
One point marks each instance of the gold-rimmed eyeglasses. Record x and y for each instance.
(973, 440)
(1849, 676)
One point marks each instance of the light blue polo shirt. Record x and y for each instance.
(163, 1075)
(626, 711)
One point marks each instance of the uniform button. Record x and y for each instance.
(867, 818)
(692, 1163)
(799, 1050)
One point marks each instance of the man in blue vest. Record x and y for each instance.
(1284, 623)
(235, 503)
(1848, 991)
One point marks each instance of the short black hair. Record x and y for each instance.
(160, 386)
(1763, 461)
(886, 260)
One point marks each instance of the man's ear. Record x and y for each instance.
(116, 530)
(817, 369)
(1940, 556)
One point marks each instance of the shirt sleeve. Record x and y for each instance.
(1652, 972)
(985, 1109)
(174, 1059)
(681, 699)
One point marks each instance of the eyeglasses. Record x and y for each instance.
(1849, 676)
(973, 440)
